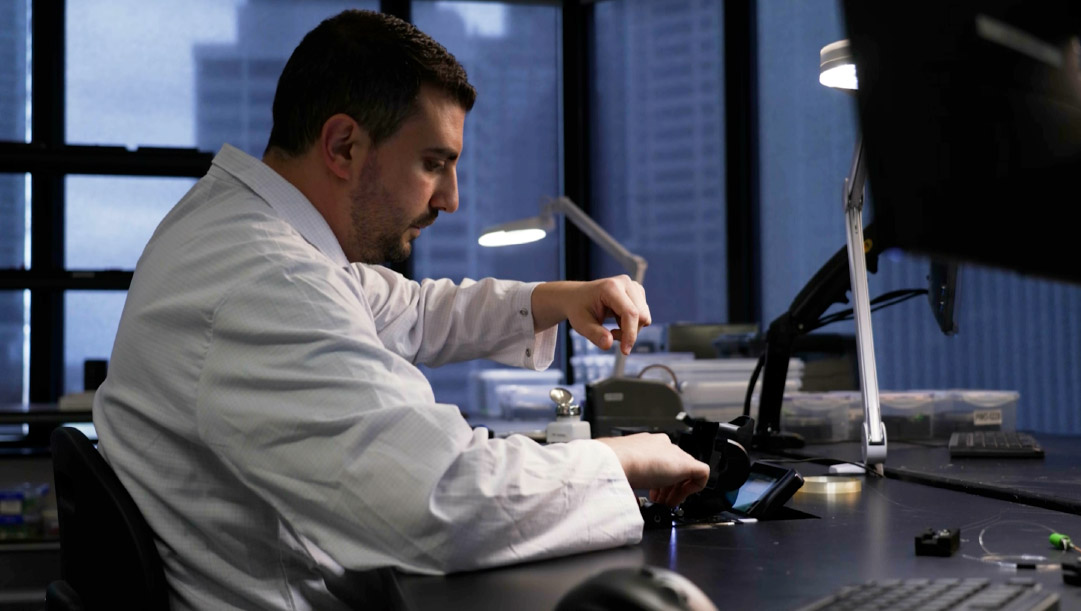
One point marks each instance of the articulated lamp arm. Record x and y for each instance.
(634, 264)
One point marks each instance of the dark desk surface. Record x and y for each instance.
(784, 564)
(1053, 482)
(41, 413)
(41, 419)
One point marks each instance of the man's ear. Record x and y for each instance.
(343, 143)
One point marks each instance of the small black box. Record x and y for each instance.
(942, 542)
(1071, 571)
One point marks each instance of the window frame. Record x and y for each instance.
(48, 159)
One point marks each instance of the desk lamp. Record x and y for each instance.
(837, 70)
(532, 229)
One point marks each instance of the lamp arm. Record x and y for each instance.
(633, 263)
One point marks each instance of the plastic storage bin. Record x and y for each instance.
(593, 367)
(817, 416)
(719, 370)
(533, 401)
(907, 415)
(485, 383)
(715, 401)
(963, 410)
(722, 401)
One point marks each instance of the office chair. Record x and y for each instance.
(108, 559)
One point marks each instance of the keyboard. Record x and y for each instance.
(994, 444)
(1016, 594)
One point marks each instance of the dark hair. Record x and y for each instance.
(367, 65)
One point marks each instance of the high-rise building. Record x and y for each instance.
(235, 83)
(658, 140)
(498, 174)
(510, 161)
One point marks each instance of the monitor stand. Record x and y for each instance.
(874, 432)
(845, 271)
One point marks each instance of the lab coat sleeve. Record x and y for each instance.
(303, 404)
(435, 322)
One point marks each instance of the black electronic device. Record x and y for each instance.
(1071, 571)
(722, 446)
(701, 338)
(942, 294)
(643, 588)
(767, 489)
(941, 542)
(828, 286)
(970, 113)
(632, 403)
(994, 444)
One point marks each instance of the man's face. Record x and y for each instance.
(407, 180)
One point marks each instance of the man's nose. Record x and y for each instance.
(446, 197)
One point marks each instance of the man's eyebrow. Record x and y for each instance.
(448, 154)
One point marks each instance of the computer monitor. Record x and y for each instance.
(703, 339)
(970, 112)
(942, 294)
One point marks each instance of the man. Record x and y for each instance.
(262, 404)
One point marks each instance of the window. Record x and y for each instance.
(110, 218)
(155, 82)
(191, 74)
(14, 187)
(174, 75)
(510, 158)
(658, 152)
(108, 221)
(1016, 333)
(91, 319)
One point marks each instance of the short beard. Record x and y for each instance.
(372, 210)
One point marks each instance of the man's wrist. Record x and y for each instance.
(549, 302)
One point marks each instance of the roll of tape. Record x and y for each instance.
(824, 484)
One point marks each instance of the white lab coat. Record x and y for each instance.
(264, 410)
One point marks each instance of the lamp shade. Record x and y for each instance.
(510, 238)
(836, 68)
(522, 231)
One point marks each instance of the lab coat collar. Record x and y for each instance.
(284, 198)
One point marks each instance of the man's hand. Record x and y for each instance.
(650, 460)
(586, 305)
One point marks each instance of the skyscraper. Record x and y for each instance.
(505, 168)
(509, 163)
(658, 162)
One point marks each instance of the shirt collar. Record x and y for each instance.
(284, 198)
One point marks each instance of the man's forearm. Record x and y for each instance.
(550, 302)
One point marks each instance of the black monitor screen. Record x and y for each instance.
(971, 117)
(942, 293)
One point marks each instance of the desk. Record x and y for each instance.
(42, 418)
(787, 563)
(1053, 482)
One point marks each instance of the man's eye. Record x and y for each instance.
(433, 165)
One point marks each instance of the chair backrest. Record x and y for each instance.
(107, 551)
